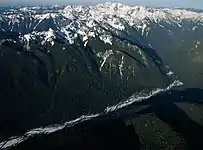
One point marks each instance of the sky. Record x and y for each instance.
(154, 3)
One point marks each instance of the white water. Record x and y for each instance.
(53, 128)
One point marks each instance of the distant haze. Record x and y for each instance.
(154, 3)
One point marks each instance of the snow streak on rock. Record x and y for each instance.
(137, 98)
(104, 57)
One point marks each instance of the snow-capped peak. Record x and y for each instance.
(84, 20)
(137, 16)
(132, 12)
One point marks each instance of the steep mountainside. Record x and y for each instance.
(58, 64)
(175, 34)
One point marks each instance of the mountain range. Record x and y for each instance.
(61, 62)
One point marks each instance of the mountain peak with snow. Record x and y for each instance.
(84, 20)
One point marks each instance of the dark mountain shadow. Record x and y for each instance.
(181, 123)
(166, 110)
(91, 135)
(110, 131)
(191, 95)
(9, 35)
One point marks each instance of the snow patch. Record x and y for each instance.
(68, 35)
(170, 73)
(90, 24)
(170, 32)
(27, 38)
(121, 67)
(179, 25)
(104, 57)
(25, 9)
(106, 38)
(85, 44)
(143, 56)
(91, 34)
(161, 26)
(194, 28)
(85, 38)
(143, 28)
(197, 44)
(49, 37)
